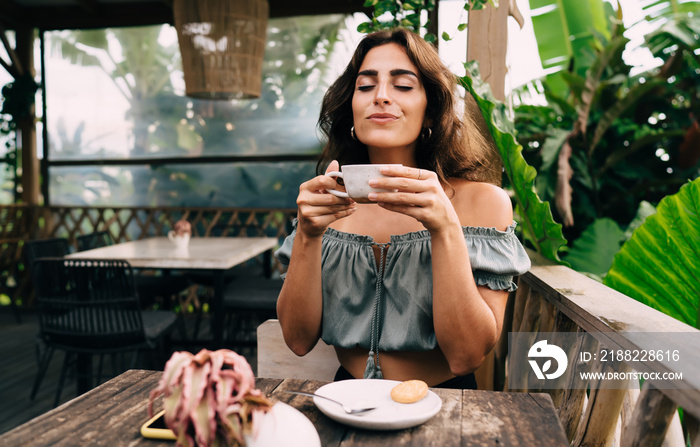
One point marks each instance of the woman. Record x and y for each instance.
(414, 285)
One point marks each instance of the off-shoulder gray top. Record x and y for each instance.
(391, 309)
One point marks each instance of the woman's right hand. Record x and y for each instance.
(317, 208)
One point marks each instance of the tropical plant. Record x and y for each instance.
(210, 398)
(565, 32)
(534, 215)
(407, 14)
(660, 264)
(616, 139)
(17, 100)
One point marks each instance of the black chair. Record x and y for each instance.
(249, 301)
(45, 248)
(94, 240)
(34, 250)
(89, 307)
(149, 284)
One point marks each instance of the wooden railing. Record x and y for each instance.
(556, 299)
(550, 298)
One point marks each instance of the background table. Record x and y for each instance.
(112, 414)
(216, 254)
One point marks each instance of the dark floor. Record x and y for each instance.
(18, 364)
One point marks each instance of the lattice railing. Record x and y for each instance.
(126, 224)
(19, 223)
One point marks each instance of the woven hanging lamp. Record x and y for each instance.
(222, 44)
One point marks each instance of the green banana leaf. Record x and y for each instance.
(593, 252)
(535, 216)
(564, 29)
(660, 264)
(657, 8)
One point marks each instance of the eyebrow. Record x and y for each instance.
(394, 72)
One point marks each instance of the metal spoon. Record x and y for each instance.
(345, 408)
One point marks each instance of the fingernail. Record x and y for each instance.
(373, 182)
(372, 196)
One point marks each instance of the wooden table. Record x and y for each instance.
(216, 254)
(112, 414)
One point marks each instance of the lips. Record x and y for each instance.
(382, 117)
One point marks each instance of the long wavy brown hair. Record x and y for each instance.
(457, 147)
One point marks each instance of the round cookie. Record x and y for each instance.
(409, 391)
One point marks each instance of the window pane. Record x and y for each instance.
(119, 93)
(245, 185)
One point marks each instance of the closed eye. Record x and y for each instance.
(365, 88)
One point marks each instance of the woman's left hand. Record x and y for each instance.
(420, 195)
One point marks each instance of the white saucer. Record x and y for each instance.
(389, 415)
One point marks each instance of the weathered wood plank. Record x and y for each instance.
(111, 405)
(574, 399)
(693, 426)
(564, 326)
(487, 422)
(112, 414)
(527, 333)
(650, 419)
(522, 296)
(621, 323)
(598, 425)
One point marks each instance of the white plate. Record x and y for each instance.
(278, 423)
(389, 415)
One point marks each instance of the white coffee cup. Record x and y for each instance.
(181, 241)
(356, 179)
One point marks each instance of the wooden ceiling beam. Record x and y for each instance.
(285, 8)
(57, 17)
(10, 12)
(90, 14)
(91, 6)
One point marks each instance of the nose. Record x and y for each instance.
(382, 96)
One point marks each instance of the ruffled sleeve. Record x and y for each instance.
(496, 256)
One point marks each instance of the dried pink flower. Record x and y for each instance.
(182, 227)
(210, 398)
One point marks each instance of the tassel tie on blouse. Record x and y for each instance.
(373, 370)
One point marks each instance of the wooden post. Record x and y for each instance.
(487, 42)
(573, 401)
(26, 128)
(693, 430)
(650, 419)
(527, 333)
(564, 329)
(603, 411)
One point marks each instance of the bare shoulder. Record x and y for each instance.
(481, 204)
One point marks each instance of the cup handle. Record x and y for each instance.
(334, 191)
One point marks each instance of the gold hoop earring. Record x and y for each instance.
(426, 133)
